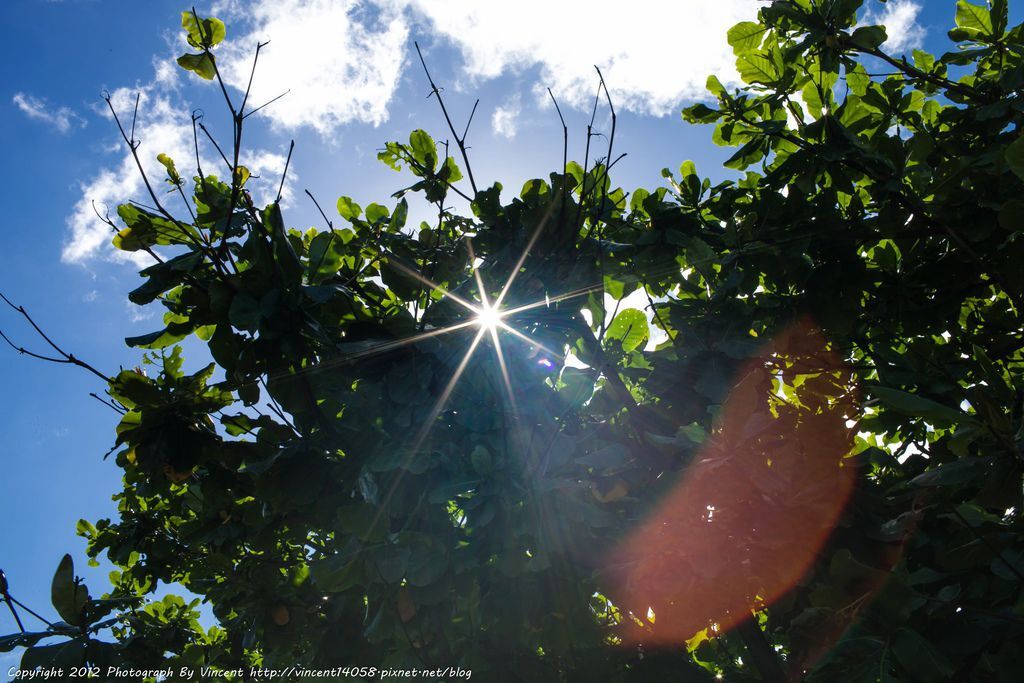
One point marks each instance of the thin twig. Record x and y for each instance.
(938, 81)
(252, 74)
(461, 142)
(106, 403)
(565, 162)
(25, 607)
(64, 357)
(135, 115)
(267, 103)
(14, 612)
(586, 161)
(216, 146)
(106, 219)
(133, 147)
(565, 132)
(470, 121)
(284, 175)
(7, 599)
(657, 315)
(605, 182)
(317, 204)
(329, 225)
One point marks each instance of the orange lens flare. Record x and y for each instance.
(750, 515)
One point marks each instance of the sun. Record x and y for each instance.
(489, 318)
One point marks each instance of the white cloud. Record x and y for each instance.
(505, 120)
(266, 168)
(164, 126)
(138, 314)
(654, 55)
(900, 20)
(62, 118)
(341, 59)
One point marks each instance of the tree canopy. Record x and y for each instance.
(437, 445)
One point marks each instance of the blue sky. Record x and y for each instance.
(355, 84)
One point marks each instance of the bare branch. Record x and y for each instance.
(133, 148)
(64, 357)
(586, 159)
(14, 612)
(565, 132)
(461, 142)
(135, 115)
(22, 605)
(329, 225)
(216, 146)
(107, 403)
(315, 202)
(252, 74)
(287, 163)
(267, 103)
(470, 121)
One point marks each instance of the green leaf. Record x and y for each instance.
(204, 33)
(757, 68)
(701, 113)
(147, 229)
(869, 37)
(399, 217)
(134, 389)
(609, 458)
(241, 175)
(919, 658)
(375, 213)
(8, 643)
(924, 61)
(348, 209)
(201, 64)
(1000, 14)
(427, 561)
(1014, 156)
(392, 561)
(714, 86)
(630, 326)
(364, 520)
(578, 386)
(481, 459)
(162, 277)
(245, 312)
(450, 171)
(423, 149)
(337, 572)
(973, 18)
(68, 596)
(172, 173)
(614, 288)
(746, 36)
(917, 406)
(954, 473)
(172, 334)
(326, 253)
(52, 657)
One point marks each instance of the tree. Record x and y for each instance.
(816, 474)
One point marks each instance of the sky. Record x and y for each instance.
(354, 83)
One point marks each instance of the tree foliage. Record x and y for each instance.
(838, 380)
